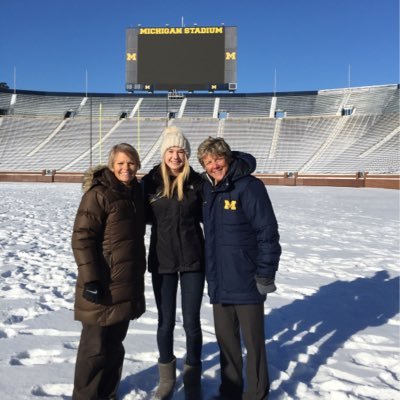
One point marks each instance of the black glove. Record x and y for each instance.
(265, 285)
(93, 292)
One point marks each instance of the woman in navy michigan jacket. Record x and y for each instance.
(242, 256)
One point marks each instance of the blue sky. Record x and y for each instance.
(74, 45)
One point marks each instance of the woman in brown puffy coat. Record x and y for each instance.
(108, 246)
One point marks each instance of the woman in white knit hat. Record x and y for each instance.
(173, 193)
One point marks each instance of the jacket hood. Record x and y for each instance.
(243, 164)
(94, 176)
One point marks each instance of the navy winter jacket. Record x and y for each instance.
(241, 232)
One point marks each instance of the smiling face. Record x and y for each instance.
(216, 166)
(174, 159)
(124, 167)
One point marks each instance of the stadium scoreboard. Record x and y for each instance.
(181, 58)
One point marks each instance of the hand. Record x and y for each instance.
(139, 307)
(265, 285)
(93, 292)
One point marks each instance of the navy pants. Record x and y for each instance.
(165, 288)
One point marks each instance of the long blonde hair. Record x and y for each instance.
(177, 184)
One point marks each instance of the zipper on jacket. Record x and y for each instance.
(182, 260)
(134, 206)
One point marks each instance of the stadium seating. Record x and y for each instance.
(327, 132)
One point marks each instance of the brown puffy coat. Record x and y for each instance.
(108, 246)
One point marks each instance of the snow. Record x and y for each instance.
(332, 328)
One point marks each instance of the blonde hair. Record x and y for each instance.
(177, 185)
(126, 148)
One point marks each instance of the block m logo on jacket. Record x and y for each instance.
(230, 205)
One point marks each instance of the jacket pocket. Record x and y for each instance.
(238, 271)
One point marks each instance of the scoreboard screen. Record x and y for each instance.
(181, 58)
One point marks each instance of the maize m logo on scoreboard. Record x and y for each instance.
(182, 58)
(228, 56)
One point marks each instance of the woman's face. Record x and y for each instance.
(174, 158)
(124, 167)
(216, 166)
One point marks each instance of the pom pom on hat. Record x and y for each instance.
(173, 137)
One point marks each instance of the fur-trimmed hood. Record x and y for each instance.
(92, 175)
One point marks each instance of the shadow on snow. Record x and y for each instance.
(305, 332)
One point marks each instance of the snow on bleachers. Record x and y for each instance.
(249, 105)
(199, 107)
(359, 134)
(44, 104)
(19, 136)
(312, 135)
(253, 135)
(5, 100)
(299, 140)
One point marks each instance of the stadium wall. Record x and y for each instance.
(356, 180)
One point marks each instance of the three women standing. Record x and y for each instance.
(173, 194)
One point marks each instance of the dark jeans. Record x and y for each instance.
(165, 288)
(99, 361)
(230, 322)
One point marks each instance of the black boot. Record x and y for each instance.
(192, 382)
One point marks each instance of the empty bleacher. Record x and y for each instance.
(311, 134)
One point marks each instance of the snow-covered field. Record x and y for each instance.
(332, 326)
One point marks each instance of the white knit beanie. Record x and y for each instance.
(173, 137)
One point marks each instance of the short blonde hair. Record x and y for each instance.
(126, 148)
